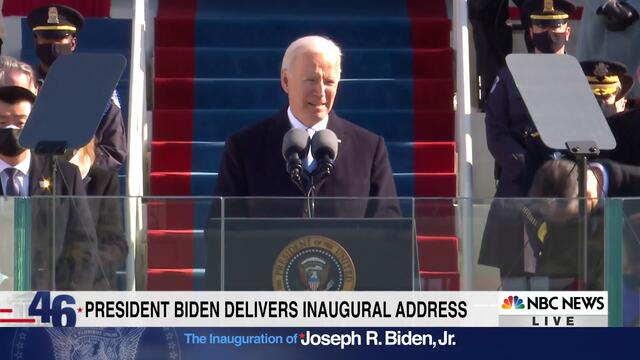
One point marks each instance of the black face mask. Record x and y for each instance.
(9, 145)
(549, 42)
(48, 53)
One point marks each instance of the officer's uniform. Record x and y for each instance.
(517, 149)
(608, 78)
(57, 22)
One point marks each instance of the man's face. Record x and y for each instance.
(559, 29)
(14, 114)
(69, 39)
(311, 83)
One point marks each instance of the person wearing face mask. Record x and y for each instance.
(26, 174)
(507, 120)
(511, 135)
(55, 30)
(610, 29)
(611, 91)
(103, 190)
(610, 82)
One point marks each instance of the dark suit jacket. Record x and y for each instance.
(74, 240)
(507, 121)
(252, 165)
(103, 190)
(625, 127)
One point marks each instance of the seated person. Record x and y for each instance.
(103, 188)
(253, 164)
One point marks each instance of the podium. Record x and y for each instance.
(252, 251)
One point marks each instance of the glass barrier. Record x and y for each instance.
(624, 259)
(206, 243)
(533, 244)
(62, 243)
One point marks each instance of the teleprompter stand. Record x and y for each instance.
(567, 116)
(68, 110)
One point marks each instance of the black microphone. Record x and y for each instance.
(324, 149)
(295, 147)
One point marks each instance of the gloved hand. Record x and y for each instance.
(618, 15)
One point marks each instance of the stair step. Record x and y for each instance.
(391, 94)
(218, 125)
(175, 279)
(248, 63)
(205, 156)
(278, 32)
(440, 281)
(173, 8)
(202, 184)
(438, 253)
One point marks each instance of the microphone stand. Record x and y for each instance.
(316, 179)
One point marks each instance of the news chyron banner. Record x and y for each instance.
(279, 309)
(294, 325)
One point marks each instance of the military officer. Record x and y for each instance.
(507, 121)
(55, 29)
(512, 138)
(610, 82)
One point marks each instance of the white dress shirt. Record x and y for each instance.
(297, 124)
(22, 175)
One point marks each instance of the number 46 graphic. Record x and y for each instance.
(55, 311)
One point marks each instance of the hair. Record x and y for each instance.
(9, 65)
(313, 43)
(89, 150)
(556, 179)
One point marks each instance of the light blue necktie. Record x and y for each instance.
(13, 185)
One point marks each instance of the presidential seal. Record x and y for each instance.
(314, 263)
(95, 343)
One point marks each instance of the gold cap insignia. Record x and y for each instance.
(601, 70)
(53, 16)
(548, 6)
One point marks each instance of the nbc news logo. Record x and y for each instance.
(562, 308)
(512, 302)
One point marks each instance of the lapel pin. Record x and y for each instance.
(45, 184)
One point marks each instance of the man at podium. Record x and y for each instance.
(253, 165)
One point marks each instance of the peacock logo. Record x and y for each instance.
(512, 302)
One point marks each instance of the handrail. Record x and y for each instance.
(464, 139)
(137, 109)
